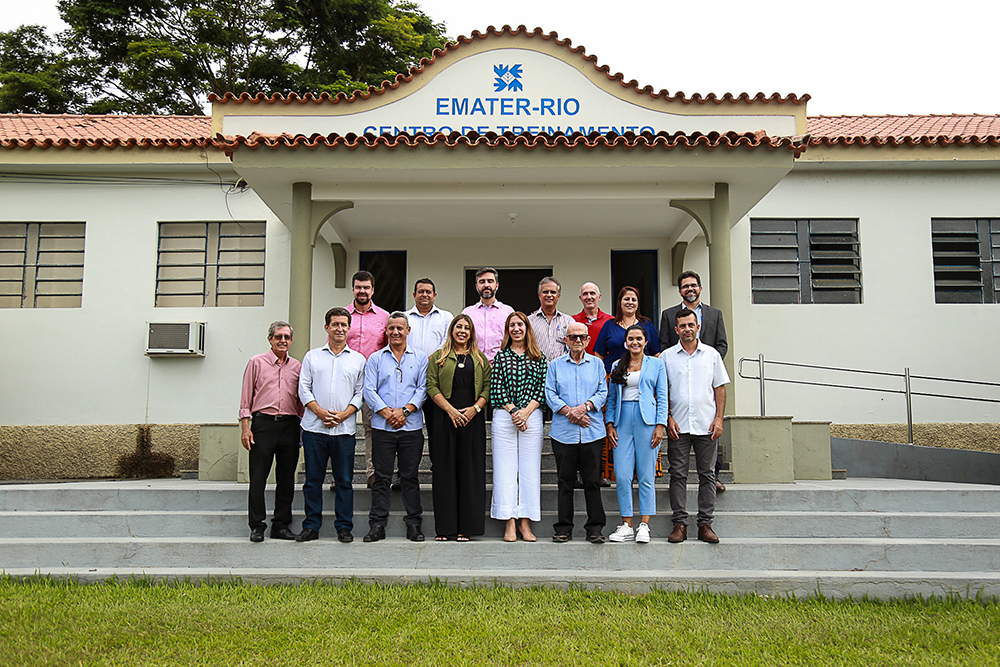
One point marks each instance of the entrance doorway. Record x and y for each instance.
(638, 269)
(518, 287)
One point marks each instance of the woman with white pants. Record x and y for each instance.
(636, 418)
(517, 391)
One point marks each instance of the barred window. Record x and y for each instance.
(41, 264)
(210, 264)
(966, 260)
(805, 261)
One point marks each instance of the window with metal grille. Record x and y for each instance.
(210, 264)
(805, 261)
(966, 260)
(41, 264)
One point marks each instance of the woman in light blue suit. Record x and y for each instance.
(636, 421)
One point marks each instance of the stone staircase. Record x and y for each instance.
(876, 537)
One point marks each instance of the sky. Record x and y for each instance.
(852, 56)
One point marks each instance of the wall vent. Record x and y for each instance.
(175, 339)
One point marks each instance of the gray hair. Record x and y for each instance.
(399, 315)
(279, 324)
(549, 279)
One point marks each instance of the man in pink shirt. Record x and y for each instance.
(367, 335)
(489, 316)
(269, 429)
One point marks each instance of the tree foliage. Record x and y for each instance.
(35, 77)
(166, 56)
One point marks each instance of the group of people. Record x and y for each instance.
(611, 393)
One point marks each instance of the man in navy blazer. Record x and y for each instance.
(713, 328)
(712, 332)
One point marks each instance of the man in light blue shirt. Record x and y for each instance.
(395, 388)
(576, 389)
(330, 384)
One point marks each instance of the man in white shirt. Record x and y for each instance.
(428, 323)
(330, 387)
(548, 324)
(696, 379)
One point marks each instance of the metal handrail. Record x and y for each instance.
(905, 375)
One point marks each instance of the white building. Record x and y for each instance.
(818, 237)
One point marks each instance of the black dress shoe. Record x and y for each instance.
(307, 535)
(595, 538)
(257, 534)
(414, 534)
(375, 534)
(344, 535)
(282, 534)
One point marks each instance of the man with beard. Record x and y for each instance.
(367, 335)
(489, 316)
(713, 329)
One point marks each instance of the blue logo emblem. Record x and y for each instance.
(508, 78)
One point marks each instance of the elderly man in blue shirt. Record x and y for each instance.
(395, 388)
(576, 389)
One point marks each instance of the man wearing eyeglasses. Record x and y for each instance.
(395, 388)
(330, 387)
(269, 430)
(576, 389)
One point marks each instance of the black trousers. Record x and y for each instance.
(388, 447)
(584, 458)
(275, 442)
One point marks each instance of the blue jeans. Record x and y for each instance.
(339, 450)
(634, 453)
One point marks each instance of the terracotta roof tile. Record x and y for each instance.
(510, 141)
(904, 130)
(69, 131)
(712, 98)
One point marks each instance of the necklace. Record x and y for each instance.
(461, 360)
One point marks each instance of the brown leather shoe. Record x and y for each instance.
(679, 533)
(719, 486)
(706, 534)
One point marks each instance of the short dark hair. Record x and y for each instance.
(363, 276)
(398, 315)
(425, 281)
(685, 312)
(549, 279)
(338, 312)
(686, 274)
(488, 269)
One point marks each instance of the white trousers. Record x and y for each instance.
(517, 464)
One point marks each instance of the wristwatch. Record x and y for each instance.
(476, 406)
(406, 411)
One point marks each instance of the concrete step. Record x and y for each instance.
(856, 495)
(765, 583)
(842, 554)
(728, 524)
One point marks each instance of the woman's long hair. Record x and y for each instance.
(620, 314)
(473, 345)
(530, 344)
(619, 373)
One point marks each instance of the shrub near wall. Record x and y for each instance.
(90, 451)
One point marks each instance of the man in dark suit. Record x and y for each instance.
(713, 329)
(712, 332)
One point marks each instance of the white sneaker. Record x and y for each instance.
(642, 533)
(623, 533)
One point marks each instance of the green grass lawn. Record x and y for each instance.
(45, 622)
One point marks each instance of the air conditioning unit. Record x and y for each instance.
(175, 339)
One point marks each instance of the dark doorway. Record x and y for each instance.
(518, 287)
(637, 268)
(389, 269)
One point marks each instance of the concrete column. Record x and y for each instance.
(300, 269)
(720, 261)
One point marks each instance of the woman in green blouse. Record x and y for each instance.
(518, 388)
(458, 381)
